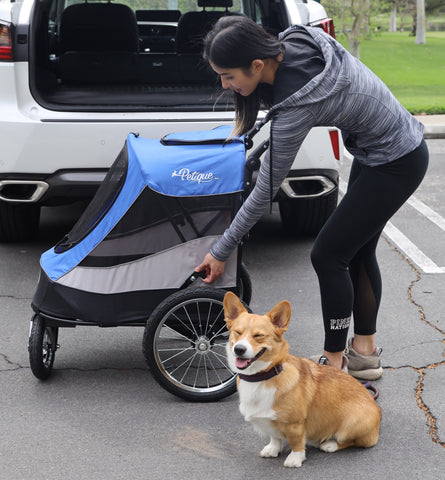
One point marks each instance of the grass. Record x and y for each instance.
(414, 73)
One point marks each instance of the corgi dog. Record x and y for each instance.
(291, 398)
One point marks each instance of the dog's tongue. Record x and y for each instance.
(241, 363)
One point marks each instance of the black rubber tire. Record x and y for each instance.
(19, 222)
(42, 347)
(244, 291)
(184, 345)
(306, 216)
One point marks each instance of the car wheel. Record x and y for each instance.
(19, 222)
(306, 216)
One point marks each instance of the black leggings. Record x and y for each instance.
(344, 252)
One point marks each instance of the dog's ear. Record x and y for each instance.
(233, 307)
(280, 316)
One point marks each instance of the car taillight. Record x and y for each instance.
(5, 41)
(335, 142)
(328, 26)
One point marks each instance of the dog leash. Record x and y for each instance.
(372, 390)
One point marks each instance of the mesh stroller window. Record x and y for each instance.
(100, 204)
(157, 222)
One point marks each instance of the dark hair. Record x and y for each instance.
(234, 42)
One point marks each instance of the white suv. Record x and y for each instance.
(76, 77)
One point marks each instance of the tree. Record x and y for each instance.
(354, 17)
(420, 22)
(393, 20)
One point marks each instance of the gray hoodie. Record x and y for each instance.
(376, 129)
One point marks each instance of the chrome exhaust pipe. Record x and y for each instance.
(307, 187)
(22, 190)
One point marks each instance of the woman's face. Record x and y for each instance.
(239, 80)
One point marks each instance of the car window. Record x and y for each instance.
(181, 5)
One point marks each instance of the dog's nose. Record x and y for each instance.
(240, 350)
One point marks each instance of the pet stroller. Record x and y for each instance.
(130, 258)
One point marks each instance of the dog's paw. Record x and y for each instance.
(295, 459)
(271, 450)
(330, 446)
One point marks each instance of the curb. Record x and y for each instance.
(434, 126)
(434, 132)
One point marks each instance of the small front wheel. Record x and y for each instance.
(42, 347)
(184, 345)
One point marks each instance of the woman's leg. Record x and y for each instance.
(344, 252)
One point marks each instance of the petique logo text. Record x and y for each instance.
(185, 175)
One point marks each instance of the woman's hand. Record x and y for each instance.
(214, 268)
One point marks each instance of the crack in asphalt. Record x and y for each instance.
(9, 362)
(18, 366)
(431, 420)
(14, 297)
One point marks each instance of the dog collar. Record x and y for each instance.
(260, 376)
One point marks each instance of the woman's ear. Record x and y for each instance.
(257, 65)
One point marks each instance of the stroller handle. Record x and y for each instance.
(248, 143)
(193, 277)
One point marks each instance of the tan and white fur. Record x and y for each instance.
(305, 403)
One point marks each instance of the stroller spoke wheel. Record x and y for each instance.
(184, 345)
(202, 345)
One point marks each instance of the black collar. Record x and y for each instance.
(260, 376)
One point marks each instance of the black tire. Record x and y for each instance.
(306, 216)
(19, 222)
(42, 347)
(184, 345)
(244, 291)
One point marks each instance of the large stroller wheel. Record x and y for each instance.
(244, 291)
(184, 345)
(42, 347)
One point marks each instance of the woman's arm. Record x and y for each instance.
(288, 130)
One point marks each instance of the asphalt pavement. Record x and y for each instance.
(103, 417)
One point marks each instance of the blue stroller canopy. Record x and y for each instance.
(192, 166)
(209, 162)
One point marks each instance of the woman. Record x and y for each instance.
(306, 79)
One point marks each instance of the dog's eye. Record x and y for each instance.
(258, 335)
(237, 332)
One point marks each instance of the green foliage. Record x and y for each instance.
(414, 73)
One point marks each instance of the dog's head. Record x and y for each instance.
(256, 341)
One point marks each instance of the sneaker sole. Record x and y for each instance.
(371, 374)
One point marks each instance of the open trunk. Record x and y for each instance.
(107, 57)
(134, 97)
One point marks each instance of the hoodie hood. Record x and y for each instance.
(332, 79)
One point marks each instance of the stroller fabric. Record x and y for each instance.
(162, 205)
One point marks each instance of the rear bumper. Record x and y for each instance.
(66, 186)
(60, 188)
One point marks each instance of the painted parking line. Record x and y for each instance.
(403, 243)
(427, 212)
(416, 255)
